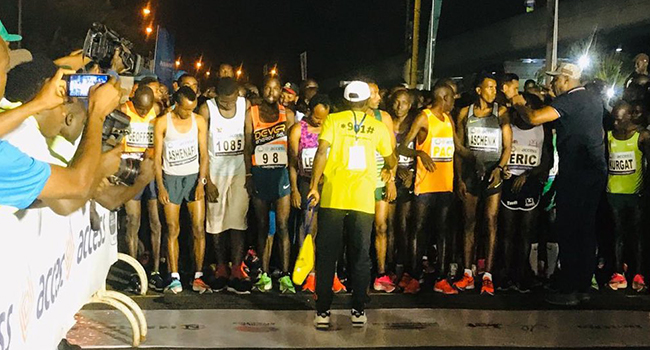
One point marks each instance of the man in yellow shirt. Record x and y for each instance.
(347, 197)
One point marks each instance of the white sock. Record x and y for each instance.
(176, 276)
(487, 275)
(469, 272)
(198, 274)
(532, 258)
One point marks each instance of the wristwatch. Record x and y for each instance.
(203, 181)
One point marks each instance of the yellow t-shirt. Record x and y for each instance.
(351, 172)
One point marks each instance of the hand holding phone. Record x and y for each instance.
(80, 84)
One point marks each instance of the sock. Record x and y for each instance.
(198, 274)
(176, 276)
(469, 272)
(487, 275)
(532, 258)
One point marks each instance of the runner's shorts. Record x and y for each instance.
(148, 193)
(230, 210)
(271, 184)
(528, 197)
(404, 194)
(181, 188)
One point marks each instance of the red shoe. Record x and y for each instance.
(444, 287)
(384, 284)
(239, 272)
(617, 282)
(638, 284)
(488, 287)
(465, 283)
(406, 279)
(413, 287)
(310, 283)
(337, 286)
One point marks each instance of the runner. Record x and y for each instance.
(136, 144)
(628, 150)
(303, 143)
(385, 193)
(269, 123)
(181, 158)
(351, 137)
(485, 130)
(226, 186)
(434, 137)
(289, 98)
(528, 168)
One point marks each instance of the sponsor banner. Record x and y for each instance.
(55, 264)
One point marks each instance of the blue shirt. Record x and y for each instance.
(22, 178)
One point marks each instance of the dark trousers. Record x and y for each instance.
(329, 243)
(577, 203)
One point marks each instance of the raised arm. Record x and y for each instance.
(534, 116)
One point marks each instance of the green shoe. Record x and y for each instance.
(286, 286)
(594, 283)
(264, 284)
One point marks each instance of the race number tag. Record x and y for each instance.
(484, 139)
(307, 158)
(357, 158)
(622, 163)
(442, 149)
(405, 161)
(271, 155)
(525, 157)
(179, 152)
(228, 146)
(141, 135)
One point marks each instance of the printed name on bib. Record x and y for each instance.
(622, 163)
(228, 146)
(271, 154)
(179, 152)
(525, 157)
(442, 149)
(141, 135)
(484, 139)
(307, 158)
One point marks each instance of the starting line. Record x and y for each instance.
(213, 329)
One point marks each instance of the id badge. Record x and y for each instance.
(357, 159)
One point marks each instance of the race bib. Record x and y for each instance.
(228, 146)
(442, 149)
(405, 161)
(525, 157)
(622, 163)
(179, 152)
(357, 158)
(271, 155)
(141, 135)
(484, 139)
(307, 158)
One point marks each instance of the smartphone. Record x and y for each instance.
(79, 84)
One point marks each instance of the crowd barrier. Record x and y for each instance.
(51, 266)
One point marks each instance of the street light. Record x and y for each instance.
(584, 61)
(149, 30)
(146, 11)
(207, 74)
(198, 65)
(178, 63)
(274, 71)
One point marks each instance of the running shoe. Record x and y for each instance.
(134, 285)
(264, 284)
(487, 288)
(443, 286)
(337, 286)
(638, 284)
(617, 282)
(199, 286)
(384, 283)
(240, 286)
(358, 318)
(413, 287)
(466, 282)
(174, 286)
(406, 279)
(253, 264)
(506, 285)
(322, 320)
(310, 283)
(594, 283)
(156, 282)
(286, 286)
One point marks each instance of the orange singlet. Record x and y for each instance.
(269, 140)
(141, 137)
(439, 145)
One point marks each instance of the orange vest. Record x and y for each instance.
(141, 137)
(439, 145)
(270, 140)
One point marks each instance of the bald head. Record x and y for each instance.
(443, 96)
(143, 100)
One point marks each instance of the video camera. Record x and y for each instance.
(100, 45)
(116, 127)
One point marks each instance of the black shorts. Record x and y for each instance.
(478, 185)
(528, 197)
(271, 184)
(404, 194)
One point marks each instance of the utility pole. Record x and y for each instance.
(436, 8)
(413, 78)
(553, 8)
(20, 20)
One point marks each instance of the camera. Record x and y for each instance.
(100, 45)
(115, 128)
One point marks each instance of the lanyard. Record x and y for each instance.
(357, 126)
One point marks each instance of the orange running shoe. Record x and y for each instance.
(465, 283)
(310, 283)
(413, 287)
(406, 279)
(488, 287)
(337, 286)
(443, 286)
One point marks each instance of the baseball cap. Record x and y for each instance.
(291, 88)
(20, 56)
(356, 91)
(569, 70)
(4, 34)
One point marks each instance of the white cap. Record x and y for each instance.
(567, 69)
(356, 91)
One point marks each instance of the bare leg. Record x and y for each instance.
(492, 204)
(381, 233)
(156, 232)
(197, 215)
(282, 211)
(173, 227)
(264, 242)
(133, 215)
(390, 237)
(469, 235)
